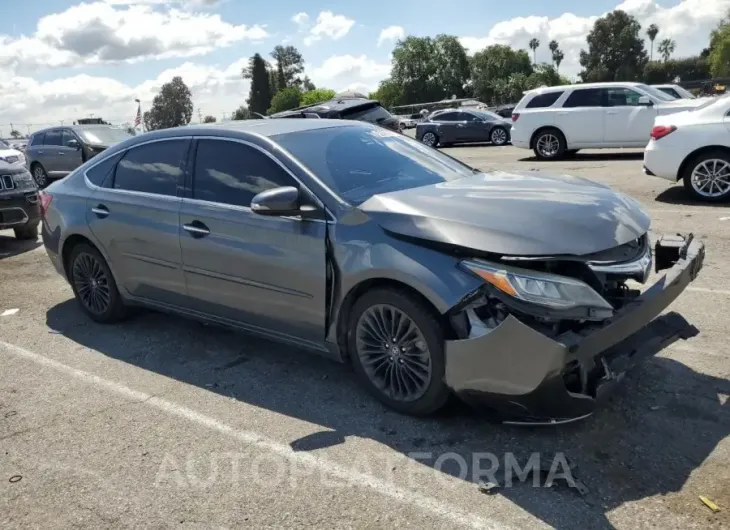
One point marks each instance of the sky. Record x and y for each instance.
(61, 60)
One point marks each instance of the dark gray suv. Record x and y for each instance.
(55, 152)
(513, 290)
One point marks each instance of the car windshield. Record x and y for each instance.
(372, 114)
(104, 135)
(359, 162)
(656, 93)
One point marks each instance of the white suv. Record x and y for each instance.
(558, 121)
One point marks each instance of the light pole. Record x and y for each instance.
(139, 109)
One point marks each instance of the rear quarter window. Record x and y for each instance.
(544, 100)
(99, 174)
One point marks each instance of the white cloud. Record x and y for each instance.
(329, 25)
(688, 23)
(341, 72)
(300, 19)
(391, 33)
(102, 33)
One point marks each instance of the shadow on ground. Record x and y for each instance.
(679, 196)
(591, 157)
(664, 422)
(10, 246)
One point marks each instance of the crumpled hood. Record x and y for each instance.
(519, 214)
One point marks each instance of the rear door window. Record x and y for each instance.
(543, 100)
(584, 97)
(37, 139)
(53, 137)
(155, 168)
(98, 174)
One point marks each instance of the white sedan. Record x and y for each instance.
(693, 146)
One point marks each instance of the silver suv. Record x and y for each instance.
(54, 153)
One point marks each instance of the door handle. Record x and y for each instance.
(40, 152)
(61, 153)
(196, 229)
(100, 211)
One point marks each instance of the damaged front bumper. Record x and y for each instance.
(527, 377)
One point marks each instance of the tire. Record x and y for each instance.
(27, 232)
(498, 136)
(114, 309)
(717, 163)
(430, 138)
(554, 139)
(429, 393)
(39, 175)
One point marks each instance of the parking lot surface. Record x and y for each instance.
(162, 422)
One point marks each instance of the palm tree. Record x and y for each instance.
(666, 48)
(553, 45)
(652, 31)
(558, 57)
(534, 45)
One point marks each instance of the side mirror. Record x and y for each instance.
(644, 101)
(281, 201)
(73, 143)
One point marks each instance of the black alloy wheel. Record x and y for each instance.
(94, 285)
(396, 346)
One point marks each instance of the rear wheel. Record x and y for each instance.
(430, 139)
(397, 349)
(94, 285)
(27, 232)
(549, 144)
(707, 176)
(39, 175)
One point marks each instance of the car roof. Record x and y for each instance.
(336, 104)
(93, 127)
(611, 84)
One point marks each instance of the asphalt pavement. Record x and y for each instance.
(162, 422)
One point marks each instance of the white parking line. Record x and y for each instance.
(348, 475)
(706, 290)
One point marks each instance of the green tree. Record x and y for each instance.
(545, 75)
(285, 99)
(615, 49)
(259, 97)
(317, 95)
(289, 66)
(172, 107)
(307, 84)
(273, 80)
(534, 45)
(389, 93)
(719, 54)
(16, 134)
(553, 46)
(558, 57)
(493, 67)
(241, 113)
(666, 49)
(209, 119)
(652, 32)
(687, 69)
(451, 65)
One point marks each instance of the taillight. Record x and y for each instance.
(660, 131)
(46, 199)
(515, 117)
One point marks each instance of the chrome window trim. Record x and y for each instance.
(278, 162)
(123, 152)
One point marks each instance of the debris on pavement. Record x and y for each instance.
(489, 488)
(9, 312)
(711, 505)
(15, 478)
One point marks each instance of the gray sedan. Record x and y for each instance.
(509, 289)
(448, 127)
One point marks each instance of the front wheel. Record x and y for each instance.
(707, 176)
(498, 136)
(396, 345)
(549, 145)
(40, 176)
(94, 286)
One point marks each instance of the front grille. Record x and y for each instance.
(622, 253)
(7, 182)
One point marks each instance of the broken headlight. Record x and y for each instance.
(541, 288)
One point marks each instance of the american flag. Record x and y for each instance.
(138, 118)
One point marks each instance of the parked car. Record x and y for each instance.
(19, 206)
(452, 126)
(55, 152)
(406, 122)
(694, 147)
(558, 121)
(346, 108)
(429, 276)
(10, 155)
(675, 91)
